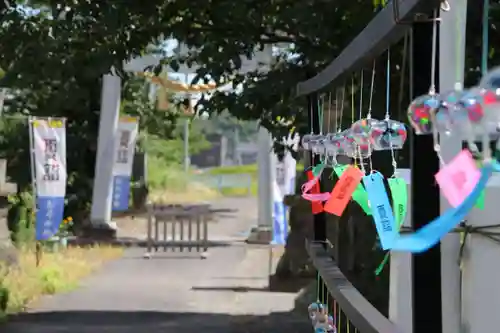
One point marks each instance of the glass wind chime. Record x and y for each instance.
(365, 136)
(473, 113)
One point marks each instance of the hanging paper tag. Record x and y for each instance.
(399, 194)
(458, 178)
(429, 235)
(381, 209)
(316, 170)
(359, 195)
(316, 206)
(341, 193)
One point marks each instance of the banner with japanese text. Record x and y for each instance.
(49, 173)
(125, 140)
(283, 184)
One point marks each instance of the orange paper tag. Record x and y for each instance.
(341, 193)
(317, 206)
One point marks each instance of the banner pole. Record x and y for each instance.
(38, 248)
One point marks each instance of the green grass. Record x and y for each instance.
(250, 169)
(162, 176)
(169, 183)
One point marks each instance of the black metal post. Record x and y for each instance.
(314, 123)
(427, 315)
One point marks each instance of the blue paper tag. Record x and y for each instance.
(429, 235)
(381, 209)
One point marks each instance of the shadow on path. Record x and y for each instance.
(153, 322)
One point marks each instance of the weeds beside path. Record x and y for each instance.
(58, 272)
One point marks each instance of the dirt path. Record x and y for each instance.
(174, 292)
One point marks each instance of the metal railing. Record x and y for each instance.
(351, 312)
(178, 227)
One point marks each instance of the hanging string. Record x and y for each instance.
(327, 157)
(369, 115)
(361, 96)
(432, 89)
(329, 111)
(352, 100)
(352, 121)
(485, 39)
(320, 114)
(361, 161)
(311, 114)
(387, 111)
(339, 128)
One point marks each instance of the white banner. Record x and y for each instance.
(49, 159)
(125, 141)
(49, 138)
(283, 184)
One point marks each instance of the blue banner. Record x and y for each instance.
(121, 192)
(49, 216)
(280, 223)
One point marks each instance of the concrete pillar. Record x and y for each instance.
(451, 64)
(265, 162)
(103, 179)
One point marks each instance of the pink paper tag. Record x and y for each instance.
(458, 178)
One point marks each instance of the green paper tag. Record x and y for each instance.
(359, 195)
(480, 200)
(399, 193)
(317, 169)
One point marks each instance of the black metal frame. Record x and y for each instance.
(361, 313)
(382, 31)
(385, 29)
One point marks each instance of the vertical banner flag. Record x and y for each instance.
(283, 184)
(49, 173)
(126, 136)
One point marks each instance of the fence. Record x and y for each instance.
(350, 310)
(178, 227)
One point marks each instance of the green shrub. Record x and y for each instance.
(162, 175)
(21, 219)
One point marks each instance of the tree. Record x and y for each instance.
(53, 62)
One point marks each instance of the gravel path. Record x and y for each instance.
(174, 292)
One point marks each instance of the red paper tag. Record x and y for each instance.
(317, 206)
(343, 190)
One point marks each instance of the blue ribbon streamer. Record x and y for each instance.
(429, 235)
(382, 213)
